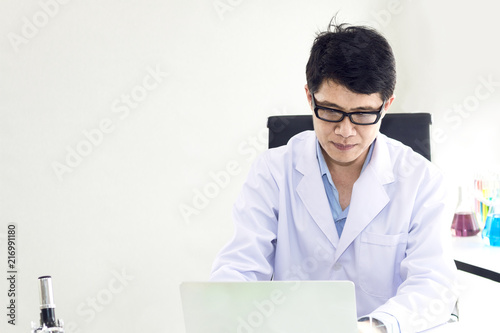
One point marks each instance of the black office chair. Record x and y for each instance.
(412, 129)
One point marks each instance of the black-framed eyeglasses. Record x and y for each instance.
(336, 116)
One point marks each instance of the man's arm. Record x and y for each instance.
(249, 256)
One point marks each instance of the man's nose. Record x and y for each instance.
(345, 128)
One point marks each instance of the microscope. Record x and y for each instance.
(48, 322)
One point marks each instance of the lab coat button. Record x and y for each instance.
(337, 267)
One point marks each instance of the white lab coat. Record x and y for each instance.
(392, 246)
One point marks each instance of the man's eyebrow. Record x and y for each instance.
(335, 106)
(329, 104)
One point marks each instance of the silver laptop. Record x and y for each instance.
(269, 307)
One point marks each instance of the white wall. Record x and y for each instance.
(65, 76)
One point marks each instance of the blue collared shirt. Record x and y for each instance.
(339, 215)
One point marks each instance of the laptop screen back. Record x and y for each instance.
(268, 307)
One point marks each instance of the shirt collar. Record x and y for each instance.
(324, 168)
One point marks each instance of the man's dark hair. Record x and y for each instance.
(356, 57)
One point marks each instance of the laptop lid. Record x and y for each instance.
(269, 307)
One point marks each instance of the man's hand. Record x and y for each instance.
(367, 327)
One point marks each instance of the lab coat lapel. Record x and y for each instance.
(368, 195)
(311, 191)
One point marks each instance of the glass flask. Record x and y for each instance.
(491, 231)
(464, 221)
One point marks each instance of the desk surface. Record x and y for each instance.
(474, 251)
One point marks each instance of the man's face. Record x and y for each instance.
(345, 143)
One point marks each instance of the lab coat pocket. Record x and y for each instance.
(379, 265)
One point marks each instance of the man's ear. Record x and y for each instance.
(308, 95)
(388, 104)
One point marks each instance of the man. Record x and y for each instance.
(344, 202)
